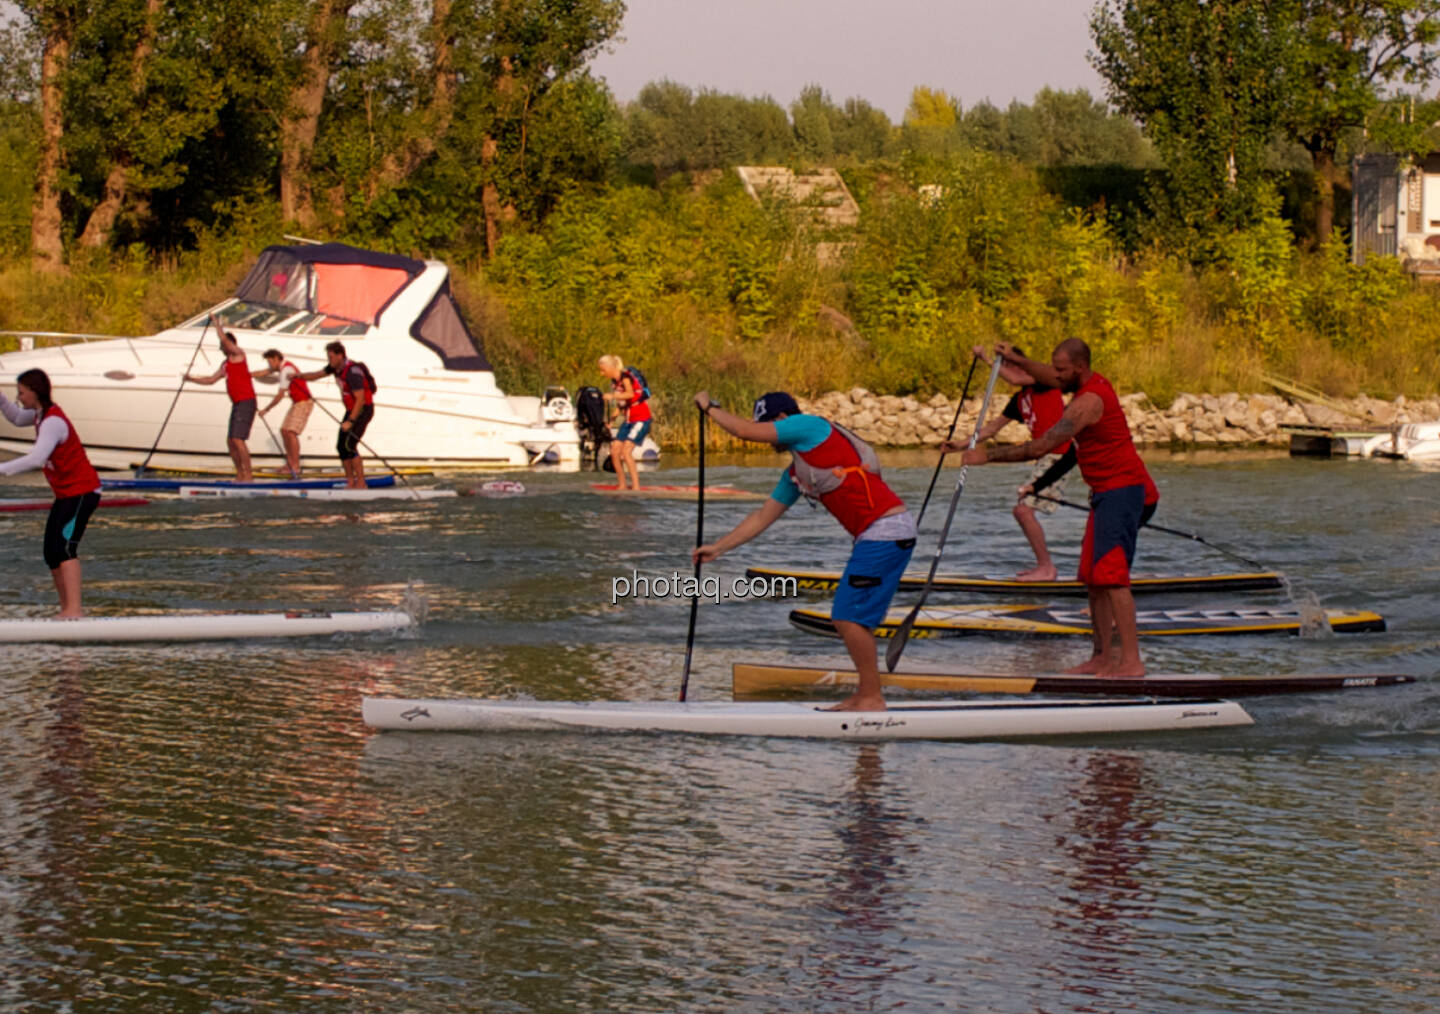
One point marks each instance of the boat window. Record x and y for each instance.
(322, 324)
(253, 316)
(442, 329)
(344, 290)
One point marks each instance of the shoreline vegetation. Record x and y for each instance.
(701, 286)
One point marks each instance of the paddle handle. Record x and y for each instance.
(699, 541)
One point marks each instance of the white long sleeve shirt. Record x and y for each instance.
(53, 432)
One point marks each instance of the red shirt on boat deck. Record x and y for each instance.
(237, 381)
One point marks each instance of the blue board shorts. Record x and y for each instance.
(1108, 549)
(633, 432)
(870, 580)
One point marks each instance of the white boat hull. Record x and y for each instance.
(199, 626)
(932, 720)
(1411, 442)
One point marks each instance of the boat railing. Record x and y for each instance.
(58, 340)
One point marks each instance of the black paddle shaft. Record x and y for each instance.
(1159, 528)
(902, 634)
(964, 393)
(699, 541)
(140, 471)
(371, 451)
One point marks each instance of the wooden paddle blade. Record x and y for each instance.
(896, 647)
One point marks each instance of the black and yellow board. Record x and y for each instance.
(1140, 584)
(1050, 621)
(758, 679)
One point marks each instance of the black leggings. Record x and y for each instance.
(68, 517)
(347, 445)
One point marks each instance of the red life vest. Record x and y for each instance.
(1104, 450)
(368, 382)
(237, 381)
(299, 390)
(1042, 408)
(68, 471)
(638, 408)
(843, 473)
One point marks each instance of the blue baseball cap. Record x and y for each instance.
(768, 407)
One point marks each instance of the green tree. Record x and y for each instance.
(863, 132)
(932, 123)
(1207, 80)
(815, 116)
(1348, 52)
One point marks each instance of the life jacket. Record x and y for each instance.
(642, 389)
(299, 390)
(68, 471)
(344, 371)
(237, 381)
(636, 409)
(1104, 449)
(843, 474)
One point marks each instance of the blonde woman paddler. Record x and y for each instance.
(72, 478)
(630, 394)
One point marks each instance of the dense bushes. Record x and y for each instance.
(702, 287)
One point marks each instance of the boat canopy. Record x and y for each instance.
(441, 328)
(342, 283)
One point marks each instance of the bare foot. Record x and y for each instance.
(1091, 667)
(855, 702)
(1038, 574)
(1122, 671)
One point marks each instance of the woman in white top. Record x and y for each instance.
(67, 468)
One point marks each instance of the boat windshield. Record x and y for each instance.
(252, 316)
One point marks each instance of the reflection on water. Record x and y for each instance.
(207, 827)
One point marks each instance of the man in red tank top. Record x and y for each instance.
(1122, 498)
(241, 390)
(1039, 408)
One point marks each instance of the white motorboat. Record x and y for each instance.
(437, 401)
(1411, 442)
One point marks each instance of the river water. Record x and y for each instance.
(210, 828)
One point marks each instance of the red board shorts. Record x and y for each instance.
(1109, 547)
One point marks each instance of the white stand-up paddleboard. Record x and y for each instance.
(199, 626)
(932, 720)
(240, 492)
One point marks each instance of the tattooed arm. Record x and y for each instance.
(1083, 410)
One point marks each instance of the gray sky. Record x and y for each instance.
(876, 49)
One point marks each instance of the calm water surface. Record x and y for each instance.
(210, 828)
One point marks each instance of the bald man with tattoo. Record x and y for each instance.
(1122, 495)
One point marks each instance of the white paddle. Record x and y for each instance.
(897, 642)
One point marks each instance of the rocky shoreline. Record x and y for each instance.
(1192, 420)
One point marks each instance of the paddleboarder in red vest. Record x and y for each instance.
(831, 465)
(1039, 408)
(631, 396)
(357, 391)
(1122, 495)
(241, 390)
(72, 478)
(292, 382)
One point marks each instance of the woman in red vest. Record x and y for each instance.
(59, 452)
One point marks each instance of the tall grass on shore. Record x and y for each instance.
(704, 289)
